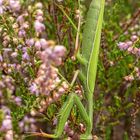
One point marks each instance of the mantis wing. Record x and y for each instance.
(90, 45)
(90, 50)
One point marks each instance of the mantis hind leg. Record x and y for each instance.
(73, 99)
(63, 117)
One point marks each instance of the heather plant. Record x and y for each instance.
(49, 87)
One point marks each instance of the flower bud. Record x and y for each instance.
(134, 38)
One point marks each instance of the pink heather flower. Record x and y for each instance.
(59, 50)
(25, 25)
(55, 121)
(21, 33)
(1, 2)
(61, 90)
(18, 100)
(134, 38)
(21, 124)
(14, 54)
(58, 61)
(122, 45)
(39, 27)
(26, 119)
(1, 58)
(138, 52)
(66, 126)
(1, 10)
(6, 110)
(20, 19)
(24, 49)
(7, 123)
(37, 45)
(135, 50)
(9, 135)
(44, 55)
(25, 56)
(34, 89)
(43, 43)
(30, 42)
(39, 18)
(129, 43)
(129, 78)
(130, 49)
(14, 5)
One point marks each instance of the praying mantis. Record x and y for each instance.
(88, 59)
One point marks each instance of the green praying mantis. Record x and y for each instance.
(88, 59)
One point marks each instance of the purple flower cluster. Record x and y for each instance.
(129, 46)
(7, 83)
(6, 126)
(11, 5)
(28, 124)
(129, 78)
(134, 76)
(47, 79)
(38, 24)
(27, 60)
(137, 72)
(1, 7)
